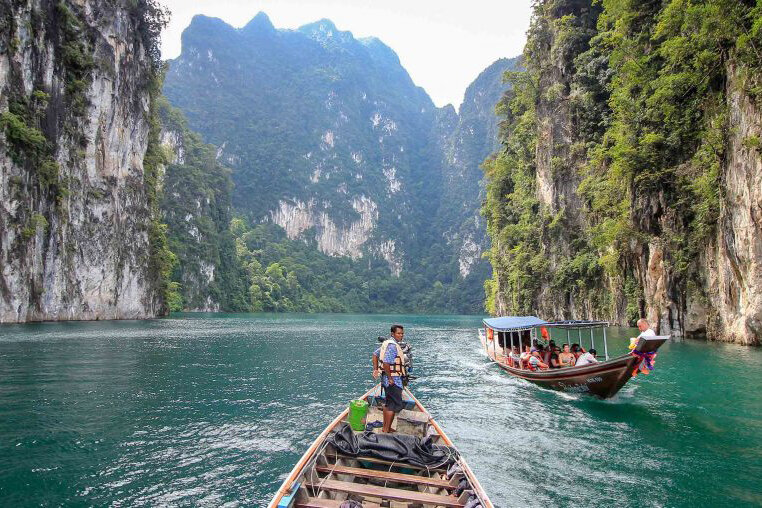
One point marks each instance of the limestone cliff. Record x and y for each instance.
(76, 226)
(733, 260)
(628, 183)
(465, 139)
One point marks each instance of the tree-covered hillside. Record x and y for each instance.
(329, 140)
(195, 205)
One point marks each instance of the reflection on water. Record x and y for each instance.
(216, 409)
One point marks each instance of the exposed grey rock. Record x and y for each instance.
(91, 260)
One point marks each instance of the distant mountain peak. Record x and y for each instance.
(201, 21)
(259, 23)
(326, 33)
(324, 24)
(380, 50)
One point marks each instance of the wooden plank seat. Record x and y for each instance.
(388, 475)
(412, 496)
(319, 502)
(374, 460)
(316, 502)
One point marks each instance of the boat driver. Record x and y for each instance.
(392, 369)
(645, 329)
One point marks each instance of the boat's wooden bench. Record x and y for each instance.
(319, 502)
(374, 460)
(388, 475)
(387, 493)
(316, 502)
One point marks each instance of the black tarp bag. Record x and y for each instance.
(399, 448)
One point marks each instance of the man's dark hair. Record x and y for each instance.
(592, 352)
(397, 327)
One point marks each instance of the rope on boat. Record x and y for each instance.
(335, 463)
(389, 471)
(311, 465)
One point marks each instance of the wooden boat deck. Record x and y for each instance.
(325, 477)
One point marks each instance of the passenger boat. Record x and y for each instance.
(603, 379)
(332, 472)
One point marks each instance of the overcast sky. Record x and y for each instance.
(443, 44)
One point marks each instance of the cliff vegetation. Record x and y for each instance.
(628, 144)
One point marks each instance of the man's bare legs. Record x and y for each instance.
(388, 420)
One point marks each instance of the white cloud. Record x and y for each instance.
(443, 44)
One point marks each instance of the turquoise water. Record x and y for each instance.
(215, 409)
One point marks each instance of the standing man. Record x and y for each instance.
(392, 369)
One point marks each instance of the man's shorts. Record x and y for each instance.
(393, 395)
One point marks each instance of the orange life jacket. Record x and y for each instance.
(398, 368)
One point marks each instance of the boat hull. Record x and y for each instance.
(289, 487)
(601, 380)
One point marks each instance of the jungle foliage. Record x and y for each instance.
(218, 262)
(293, 275)
(316, 116)
(642, 86)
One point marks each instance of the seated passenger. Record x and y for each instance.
(554, 363)
(524, 357)
(535, 362)
(515, 357)
(545, 353)
(567, 358)
(587, 359)
(577, 351)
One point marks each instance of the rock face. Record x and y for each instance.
(733, 262)
(603, 206)
(331, 239)
(466, 139)
(327, 135)
(75, 218)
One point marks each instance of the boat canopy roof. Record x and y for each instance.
(577, 324)
(512, 323)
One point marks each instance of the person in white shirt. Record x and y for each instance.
(645, 329)
(515, 357)
(524, 357)
(586, 359)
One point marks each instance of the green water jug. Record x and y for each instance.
(358, 409)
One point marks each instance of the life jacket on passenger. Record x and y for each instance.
(400, 365)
